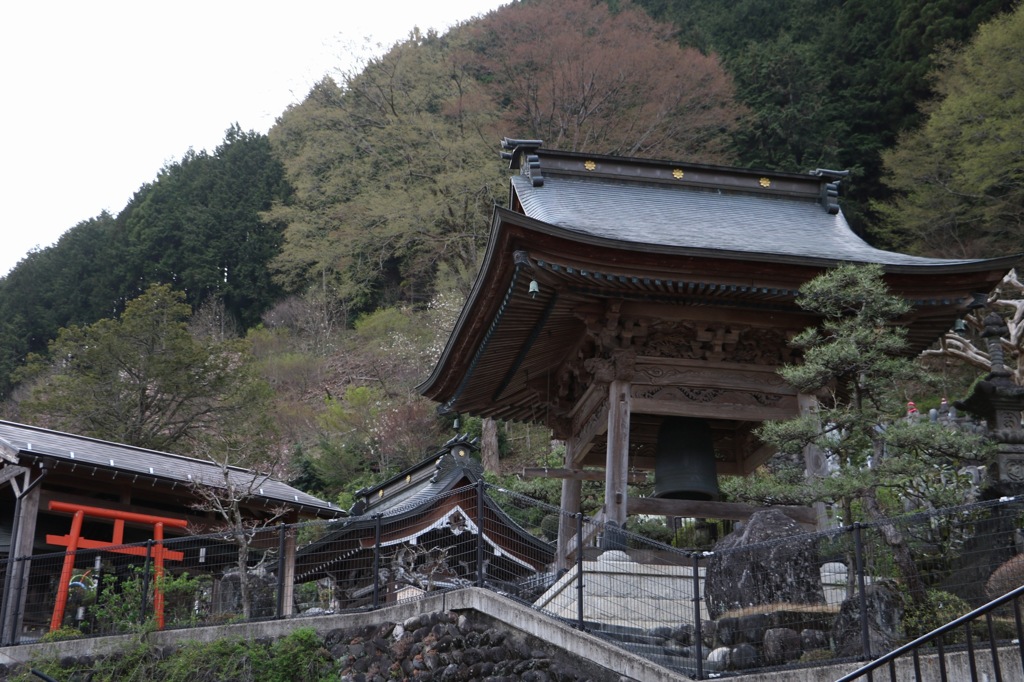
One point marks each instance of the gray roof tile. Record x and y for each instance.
(703, 219)
(38, 442)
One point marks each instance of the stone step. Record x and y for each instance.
(667, 659)
(630, 637)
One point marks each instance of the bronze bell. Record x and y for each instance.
(684, 461)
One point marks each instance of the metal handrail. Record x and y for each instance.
(936, 633)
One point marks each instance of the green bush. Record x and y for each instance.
(117, 608)
(217, 661)
(63, 633)
(299, 657)
(653, 529)
(938, 609)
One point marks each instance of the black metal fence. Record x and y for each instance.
(765, 596)
(972, 652)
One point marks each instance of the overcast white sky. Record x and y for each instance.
(96, 96)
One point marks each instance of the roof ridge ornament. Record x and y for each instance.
(522, 156)
(830, 190)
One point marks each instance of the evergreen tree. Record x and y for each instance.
(856, 363)
(142, 379)
(199, 226)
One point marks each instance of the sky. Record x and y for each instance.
(96, 97)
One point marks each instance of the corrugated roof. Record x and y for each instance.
(36, 442)
(698, 218)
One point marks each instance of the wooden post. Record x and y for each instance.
(572, 492)
(814, 459)
(27, 495)
(288, 607)
(617, 455)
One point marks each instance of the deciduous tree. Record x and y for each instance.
(959, 179)
(581, 76)
(395, 176)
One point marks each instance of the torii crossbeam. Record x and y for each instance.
(74, 541)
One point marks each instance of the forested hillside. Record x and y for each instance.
(328, 258)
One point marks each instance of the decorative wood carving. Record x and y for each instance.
(667, 372)
(707, 395)
(716, 342)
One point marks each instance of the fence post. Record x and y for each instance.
(698, 632)
(579, 570)
(480, 533)
(376, 561)
(858, 553)
(145, 581)
(98, 568)
(280, 568)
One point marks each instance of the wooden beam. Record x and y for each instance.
(8, 452)
(745, 411)
(701, 509)
(578, 474)
(10, 471)
(589, 419)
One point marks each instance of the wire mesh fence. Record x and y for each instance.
(766, 595)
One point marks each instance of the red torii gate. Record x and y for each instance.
(74, 541)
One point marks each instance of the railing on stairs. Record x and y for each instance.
(980, 663)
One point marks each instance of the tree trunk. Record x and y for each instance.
(243, 575)
(900, 551)
(489, 446)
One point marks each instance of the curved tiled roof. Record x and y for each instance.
(702, 219)
(585, 236)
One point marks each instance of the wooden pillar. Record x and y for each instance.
(288, 605)
(815, 465)
(572, 493)
(617, 455)
(27, 495)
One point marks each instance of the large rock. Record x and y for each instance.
(781, 645)
(884, 605)
(769, 560)
(227, 595)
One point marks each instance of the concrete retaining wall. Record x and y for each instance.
(516, 617)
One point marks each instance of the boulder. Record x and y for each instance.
(743, 656)
(769, 560)
(227, 594)
(811, 639)
(884, 617)
(781, 645)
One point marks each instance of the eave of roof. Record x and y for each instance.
(405, 514)
(522, 248)
(590, 228)
(63, 448)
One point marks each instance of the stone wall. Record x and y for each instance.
(467, 634)
(436, 646)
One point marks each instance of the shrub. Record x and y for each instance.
(939, 608)
(299, 657)
(62, 633)
(1009, 576)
